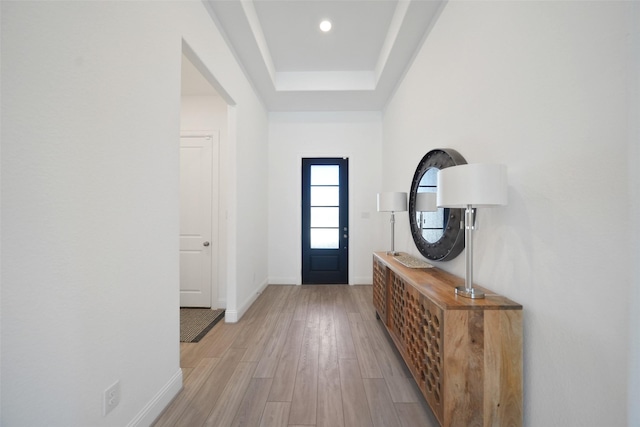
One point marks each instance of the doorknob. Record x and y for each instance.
(206, 244)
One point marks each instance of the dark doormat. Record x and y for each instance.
(196, 322)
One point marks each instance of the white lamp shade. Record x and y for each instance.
(392, 202)
(478, 185)
(426, 202)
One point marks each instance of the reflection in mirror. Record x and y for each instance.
(431, 220)
(435, 231)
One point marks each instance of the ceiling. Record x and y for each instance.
(296, 67)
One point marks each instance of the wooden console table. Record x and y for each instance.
(464, 354)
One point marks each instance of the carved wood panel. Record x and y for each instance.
(380, 289)
(422, 338)
(397, 318)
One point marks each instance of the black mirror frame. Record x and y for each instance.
(451, 243)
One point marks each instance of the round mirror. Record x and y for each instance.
(436, 231)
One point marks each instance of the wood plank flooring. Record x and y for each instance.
(300, 356)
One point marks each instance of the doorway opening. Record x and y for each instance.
(203, 130)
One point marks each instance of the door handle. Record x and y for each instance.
(206, 244)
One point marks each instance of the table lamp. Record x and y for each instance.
(471, 186)
(392, 202)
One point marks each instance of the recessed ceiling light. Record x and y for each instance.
(325, 26)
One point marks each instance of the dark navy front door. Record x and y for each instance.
(325, 221)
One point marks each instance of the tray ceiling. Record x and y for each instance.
(294, 66)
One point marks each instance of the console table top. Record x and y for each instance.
(439, 286)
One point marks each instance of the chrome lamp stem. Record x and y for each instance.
(469, 224)
(393, 222)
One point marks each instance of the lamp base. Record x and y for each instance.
(393, 253)
(469, 293)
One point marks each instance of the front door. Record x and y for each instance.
(196, 245)
(325, 221)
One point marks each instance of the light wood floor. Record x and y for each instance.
(300, 356)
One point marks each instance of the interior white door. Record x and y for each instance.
(196, 245)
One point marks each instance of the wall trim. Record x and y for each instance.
(232, 316)
(159, 402)
(284, 280)
(363, 280)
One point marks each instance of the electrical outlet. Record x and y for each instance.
(111, 398)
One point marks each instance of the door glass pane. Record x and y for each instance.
(325, 217)
(325, 175)
(325, 196)
(324, 201)
(325, 238)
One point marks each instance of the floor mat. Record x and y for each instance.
(196, 322)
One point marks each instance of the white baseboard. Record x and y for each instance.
(232, 316)
(363, 280)
(360, 280)
(160, 401)
(284, 280)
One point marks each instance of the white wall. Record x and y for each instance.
(634, 180)
(293, 136)
(251, 197)
(541, 87)
(206, 113)
(90, 203)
